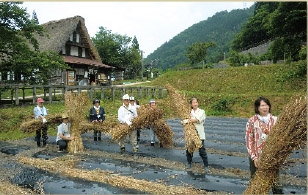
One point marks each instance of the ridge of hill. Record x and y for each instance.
(220, 28)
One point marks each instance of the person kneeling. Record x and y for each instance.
(63, 135)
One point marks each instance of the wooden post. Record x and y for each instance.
(112, 90)
(23, 94)
(102, 93)
(132, 91)
(54, 93)
(140, 92)
(123, 91)
(34, 95)
(16, 96)
(44, 93)
(50, 94)
(79, 90)
(12, 95)
(63, 91)
(161, 93)
(155, 90)
(148, 92)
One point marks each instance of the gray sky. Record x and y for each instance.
(153, 23)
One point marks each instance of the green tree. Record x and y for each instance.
(19, 53)
(197, 52)
(34, 17)
(119, 51)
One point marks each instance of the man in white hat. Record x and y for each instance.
(64, 133)
(126, 113)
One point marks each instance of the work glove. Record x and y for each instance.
(44, 120)
(184, 122)
(129, 123)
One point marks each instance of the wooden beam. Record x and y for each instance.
(16, 96)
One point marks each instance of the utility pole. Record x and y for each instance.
(141, 64)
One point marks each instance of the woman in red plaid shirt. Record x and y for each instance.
(257, 130)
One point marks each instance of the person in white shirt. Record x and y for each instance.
(39, 113)
(134, 102)
(126, 114)
(152, 104)
(64, 133)
(197, 118)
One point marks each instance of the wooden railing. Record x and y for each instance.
(52, 90)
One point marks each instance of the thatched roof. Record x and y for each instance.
(58, 33)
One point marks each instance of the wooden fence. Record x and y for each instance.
(53, 90)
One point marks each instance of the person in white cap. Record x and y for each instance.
(40, 112)
(126, 113)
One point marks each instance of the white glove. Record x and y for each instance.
(184, 122)
(129, 123)
(44, 120)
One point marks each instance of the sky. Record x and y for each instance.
(153, 23)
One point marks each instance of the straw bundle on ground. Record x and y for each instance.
(104, 127)
(163, 132)
(75, 107)
(182, 109)
(108, 177)
(143, 120)
(35, 124)
(288, 133)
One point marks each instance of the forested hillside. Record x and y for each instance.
(220, 28)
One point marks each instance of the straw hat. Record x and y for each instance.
(64, 116)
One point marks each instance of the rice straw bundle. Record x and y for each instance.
(182, 109)
(104, 127)
(35, 124)
(288, 133)
(75, 108)
(143, 120)
(163, 132)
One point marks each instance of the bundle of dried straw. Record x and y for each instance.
(143, 120)
(75, 109)
(182, 109)
(163, 132)
(103, 127)
(35, 124)
(288, 133)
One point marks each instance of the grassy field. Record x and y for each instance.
(232, 91)
(228, 92)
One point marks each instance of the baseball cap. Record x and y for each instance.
(40, 100)
(125, 97)
(131, 98)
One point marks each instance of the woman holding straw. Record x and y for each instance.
(197, 118)
(257, 130)
(40, 112)
(135, 103)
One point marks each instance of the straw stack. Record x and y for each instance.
(182, 109)
(287, 134)
(35, 124)
(103, 127)
(75, 108)
(143, 120)
(163, 133)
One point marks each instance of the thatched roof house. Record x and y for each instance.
(69, 37)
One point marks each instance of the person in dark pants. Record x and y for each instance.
(97, 115)
(197, 118)
(257, 130)
(40, 112)
(63, 135)
(134, 102)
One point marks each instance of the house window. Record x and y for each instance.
(83, 53)
(63, 50)
(74, 51)
(71, 37)
(77, 37)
